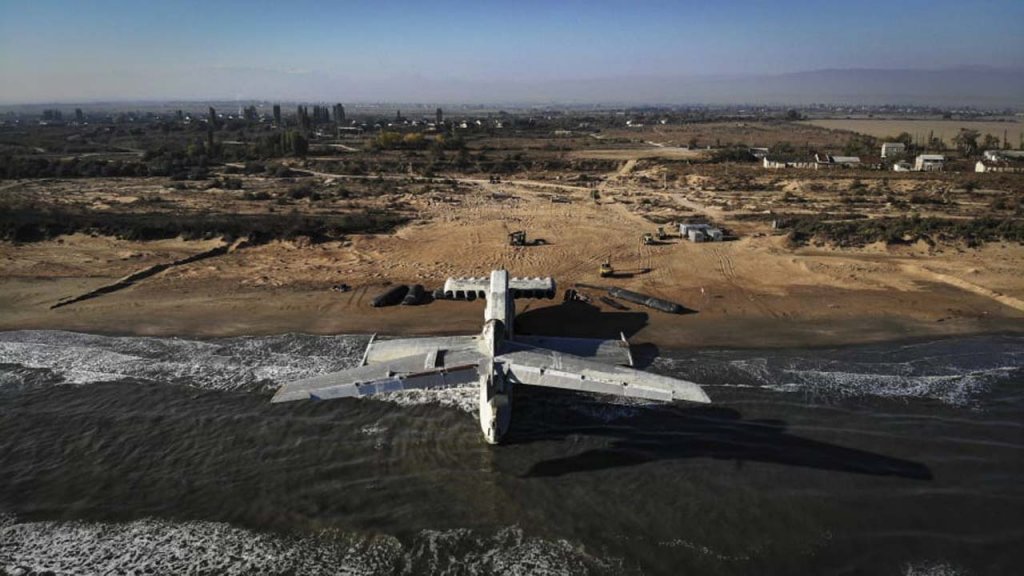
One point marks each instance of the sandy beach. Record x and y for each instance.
(753, 292)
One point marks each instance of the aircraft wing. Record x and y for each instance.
(604, 351)
(435, 369)
(557, 370)
(381, 351)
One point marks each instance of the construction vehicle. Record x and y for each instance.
(517, 238)
(606, 269)
(661, 233)
(648, 238)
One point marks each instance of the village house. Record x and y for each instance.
(929, 163)
(893, 149)
(1008, 161)
(778, 162)
(830, 161)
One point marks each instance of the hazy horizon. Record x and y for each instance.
(531, 52)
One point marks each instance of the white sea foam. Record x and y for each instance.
(940, 371)
(955, 390)
(251, 363)
(954, 377)
(704, 550)
(932, 569)
(611, 408)
(465, 398)
(153, 546)
(226, 364)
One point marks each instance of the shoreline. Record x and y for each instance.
(318, 312)
(888, 339)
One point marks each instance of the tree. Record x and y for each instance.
(990, 142)
(462, 159)
(967, 141)
(300, 146)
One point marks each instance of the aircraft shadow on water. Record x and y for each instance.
(678, 432)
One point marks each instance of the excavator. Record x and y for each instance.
(517, 238)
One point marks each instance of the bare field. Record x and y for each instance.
(724, 134)
(920, 129)
(667, 152)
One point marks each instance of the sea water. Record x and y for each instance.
(164, 456)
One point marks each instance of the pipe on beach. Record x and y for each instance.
(645, 300)
(390, 297)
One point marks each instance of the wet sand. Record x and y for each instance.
(829, 317)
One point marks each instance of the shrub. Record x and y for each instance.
(894, 230)
(32, 224)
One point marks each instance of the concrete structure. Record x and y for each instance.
(845, 160)
(929, 162)
(473, 288)
(1003, 155)
(777, 163)
(890, 149)
(1010, 167)
(497, 359)
(700, 232)
(830, 161)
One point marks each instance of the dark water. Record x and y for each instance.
(124, 453)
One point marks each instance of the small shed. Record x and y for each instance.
(700, 232)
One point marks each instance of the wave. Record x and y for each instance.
(155, 546)
(954, 372)
(247, 363)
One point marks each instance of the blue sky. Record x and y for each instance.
(112, 49)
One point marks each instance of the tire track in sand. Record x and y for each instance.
(727, 268)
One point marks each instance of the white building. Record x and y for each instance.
(773, 164)
(700, 232)
(845, 160)
(830, 160)
(929, 162)
(1010, 166)
(1003, 155)
(890, 149)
